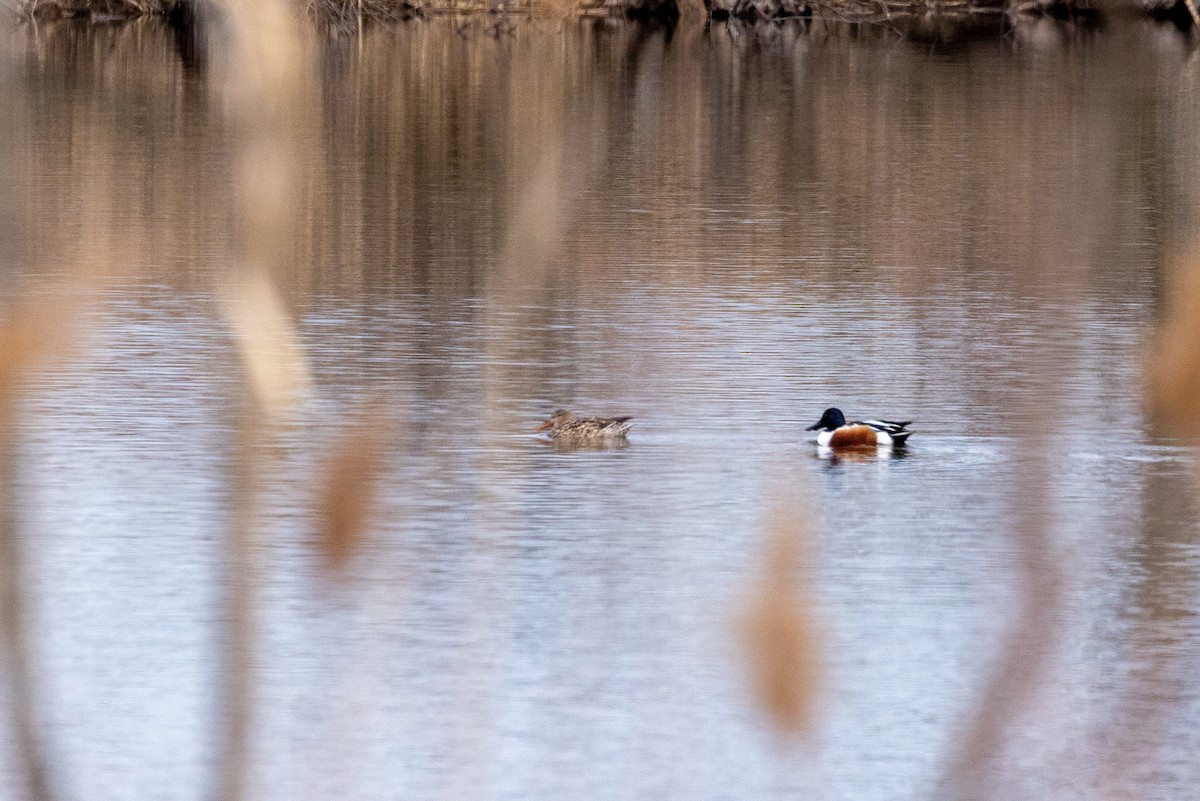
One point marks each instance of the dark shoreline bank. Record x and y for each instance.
(918, 19)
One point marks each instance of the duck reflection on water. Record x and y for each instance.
(835, 456)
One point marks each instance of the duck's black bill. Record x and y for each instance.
(813, 427)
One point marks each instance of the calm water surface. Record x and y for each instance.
(719, 232)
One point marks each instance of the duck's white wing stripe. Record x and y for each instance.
(885, 425)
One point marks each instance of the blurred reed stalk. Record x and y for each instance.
(1025, 651)
(19, 347)
(32, 779)
(26, 337)
(34, 331)
(554, 150)
(1173, 365)
(779, 626)
(1173, 403)
(266, 81)
(347, 494)
(1023, 658)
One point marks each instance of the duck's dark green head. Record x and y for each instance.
(833, 418)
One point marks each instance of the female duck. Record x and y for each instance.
(565, 426)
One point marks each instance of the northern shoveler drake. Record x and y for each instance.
(565, 426)
(835, 432)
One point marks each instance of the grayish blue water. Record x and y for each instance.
(752, 226)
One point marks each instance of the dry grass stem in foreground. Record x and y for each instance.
(1173, 373)
(267, 77)
(270, 348)
(36, 330)
(33, 332)
(346, 497)
(972, 773)
(779, 626)
(266, 80)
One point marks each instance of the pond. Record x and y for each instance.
(720, 230)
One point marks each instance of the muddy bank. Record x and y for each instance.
(906, 16)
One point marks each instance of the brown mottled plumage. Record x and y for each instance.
(565, 426)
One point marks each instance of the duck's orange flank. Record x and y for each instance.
(853, 437)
